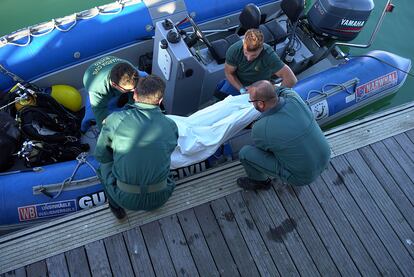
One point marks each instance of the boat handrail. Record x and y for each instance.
(336, 89)
(75, 184)
(45, 28)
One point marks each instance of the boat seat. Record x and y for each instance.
(250, 17)
(220, 47)
(273, 33)
(293, 9)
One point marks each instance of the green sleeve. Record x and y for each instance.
(259, 134)
(103, 150)
(275, 63)
(99, 105)
(290, 93)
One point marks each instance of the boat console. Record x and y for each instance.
(192, 69)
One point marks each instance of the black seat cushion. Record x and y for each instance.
(250, 17)
(292, 8)
(276, 31)
(220, 47)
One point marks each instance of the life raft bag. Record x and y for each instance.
(9, 140)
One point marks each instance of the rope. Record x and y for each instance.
(46, 28)
(380, 60)
(322, 92)
(81, 158)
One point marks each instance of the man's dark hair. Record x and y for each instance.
(124, 74)
(150, 89)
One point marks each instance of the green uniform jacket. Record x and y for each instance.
(261, 68)
(291, 133)
(96, 81)
(135, 147)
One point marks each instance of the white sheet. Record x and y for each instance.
(201, 134)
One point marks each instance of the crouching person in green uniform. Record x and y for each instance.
(134, 149)
(288, 143)
(251, 60)
(108, 78)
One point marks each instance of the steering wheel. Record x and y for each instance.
(200, 35)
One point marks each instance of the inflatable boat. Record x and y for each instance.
(184, 42)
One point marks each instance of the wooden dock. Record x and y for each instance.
(357, 219)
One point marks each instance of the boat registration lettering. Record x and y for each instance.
(91, 200)
(376, 85)
(43, 210)
(182, 172)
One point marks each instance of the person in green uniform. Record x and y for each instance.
(288, 143)
(250, 60)
(106, 79)
(134, 150)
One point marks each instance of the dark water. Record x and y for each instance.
(396, 34)
(17, 14)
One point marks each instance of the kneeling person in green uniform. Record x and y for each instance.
(288, 143)
(134, 149)
(251, 60)
(107, 78)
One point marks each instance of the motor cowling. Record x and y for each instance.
(339, 19)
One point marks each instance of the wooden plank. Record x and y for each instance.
(177, 245)
(57, 266)
(36, 269)
(197, 244)
(20, 272)
(266, 227)
(214, 238)
(405, 142)
(370, 177)
(400, 154)
(327, 233)
(77, 262)
(98, 260)
(356, 218)
(234, 239)
(410, 135)
(251, 234)
(360, 133)
(392, 166)
(378, 208)
(285, 231)
(118, 255)
(158, 251)
(389, 184)
(307, 232)
(138, 253)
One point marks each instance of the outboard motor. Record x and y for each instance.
(339, 19)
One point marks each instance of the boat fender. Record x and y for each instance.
(69, 97)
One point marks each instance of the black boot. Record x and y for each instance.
(118, 212)
(250, 184)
